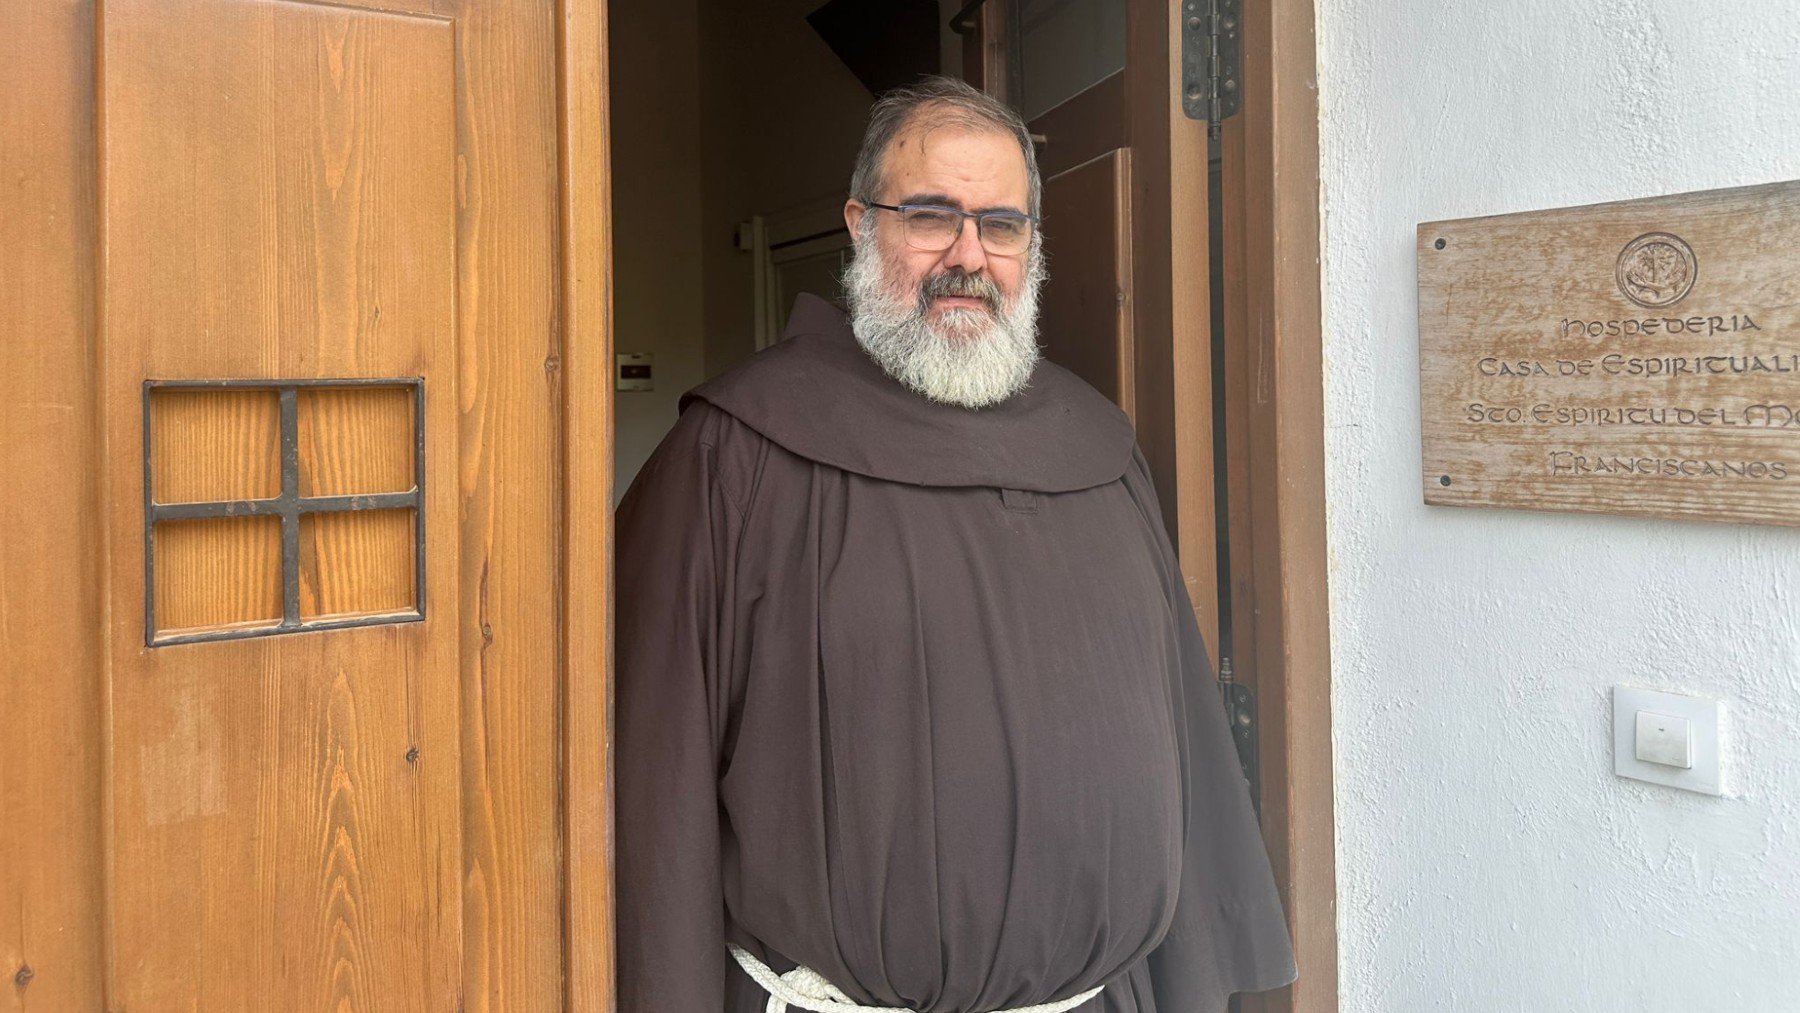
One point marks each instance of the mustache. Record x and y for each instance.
(957, 282)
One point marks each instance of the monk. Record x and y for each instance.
(912, 711)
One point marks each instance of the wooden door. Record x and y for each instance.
(304, 472)
(1128, 304)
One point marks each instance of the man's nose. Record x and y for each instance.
(966, 252)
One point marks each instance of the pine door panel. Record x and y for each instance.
(51, 756)
(277, 203)
(304, 473)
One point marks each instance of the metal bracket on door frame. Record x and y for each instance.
(1212, 59)
(1240, 714)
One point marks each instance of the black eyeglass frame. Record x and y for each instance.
(980, 217)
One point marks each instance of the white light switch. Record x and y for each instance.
(1664, 739)
(1667, 738)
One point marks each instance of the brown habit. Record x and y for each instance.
(914, 695)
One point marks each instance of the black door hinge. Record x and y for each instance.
(1240, 715)
(1212, 59)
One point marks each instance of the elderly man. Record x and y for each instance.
(912, 709)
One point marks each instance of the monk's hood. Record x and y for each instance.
(820, 396)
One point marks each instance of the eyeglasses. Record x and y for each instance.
(934, 228)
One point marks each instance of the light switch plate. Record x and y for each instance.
(1665, 739)
(1632, 737)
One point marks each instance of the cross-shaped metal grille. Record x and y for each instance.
(288, 505)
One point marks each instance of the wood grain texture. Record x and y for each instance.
(309, 190)
(277, 200)
(51, 690)
(510, 417)
(355, 440)
(209, 445)
(1565, 363)
(1276, 402)
(216, 572)
(1086, 319)
(357, 563)
(584, 136)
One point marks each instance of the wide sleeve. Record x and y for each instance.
(676, 535)
(1228, 933)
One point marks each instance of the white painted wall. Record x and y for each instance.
(1488, 858)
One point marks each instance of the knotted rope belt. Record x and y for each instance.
(809, 990)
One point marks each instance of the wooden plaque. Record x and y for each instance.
(1639, 357)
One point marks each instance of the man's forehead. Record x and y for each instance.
(976, 166)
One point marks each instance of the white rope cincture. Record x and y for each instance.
(810, 990)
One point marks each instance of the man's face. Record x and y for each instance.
(970, 169)
(957, 325)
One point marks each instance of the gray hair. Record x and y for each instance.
(952, 102)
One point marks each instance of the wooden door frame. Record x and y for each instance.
(585, 594)
(1172, 300)
(1275, 475)
(1273, 391)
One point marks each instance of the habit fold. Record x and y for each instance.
(914, 696)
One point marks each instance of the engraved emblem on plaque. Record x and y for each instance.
(1583, 358)
(1657, 269)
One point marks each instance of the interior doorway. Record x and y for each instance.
(735, 124)
(1183, 284)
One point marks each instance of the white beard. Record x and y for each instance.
(971, 358)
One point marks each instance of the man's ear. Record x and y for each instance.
(853, 212)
